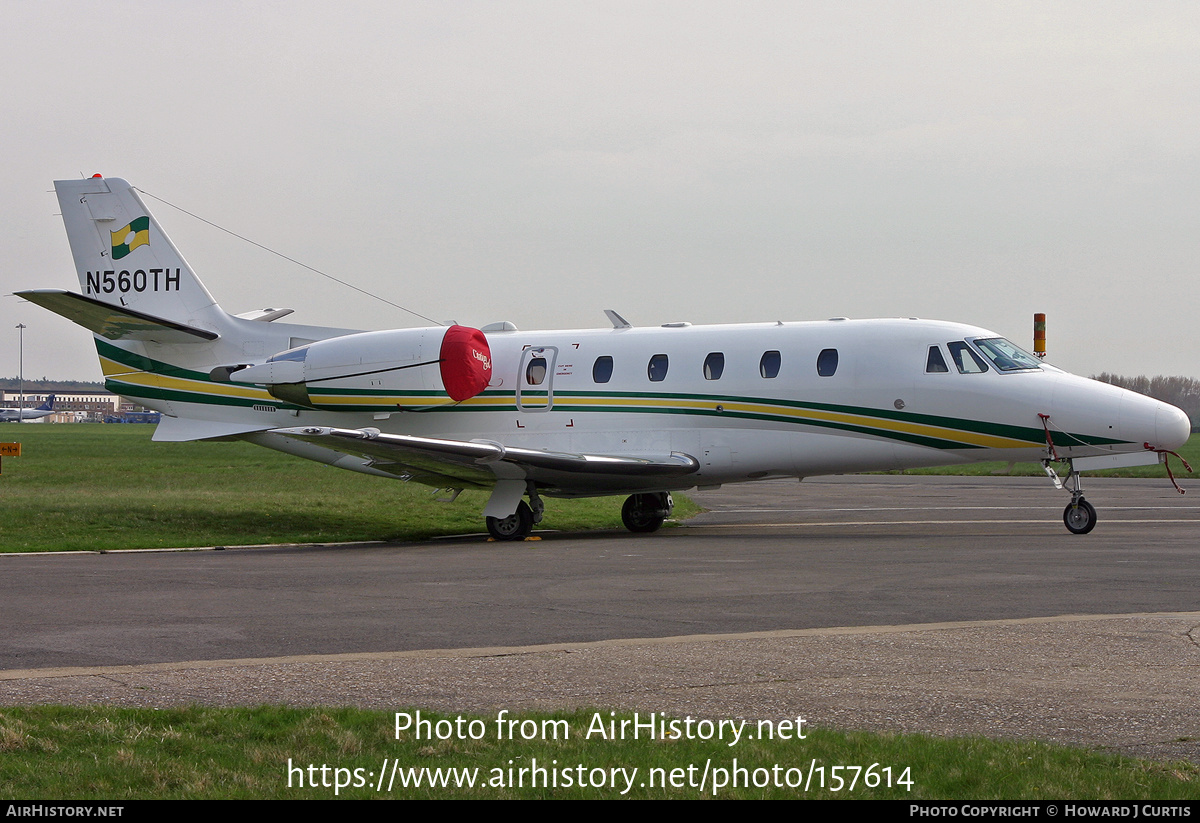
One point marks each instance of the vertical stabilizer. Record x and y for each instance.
(124, 258)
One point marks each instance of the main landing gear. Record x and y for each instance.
(1079, 516)
(646, 512)
(643, 513)
(517, 526)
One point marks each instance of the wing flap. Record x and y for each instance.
(482, 462)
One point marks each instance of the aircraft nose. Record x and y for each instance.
(1171, 426)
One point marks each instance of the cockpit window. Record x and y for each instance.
(1006, 355)
(967, 361)
(935, 363)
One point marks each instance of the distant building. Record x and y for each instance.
(71, 407)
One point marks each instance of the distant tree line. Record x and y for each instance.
(1183, 392)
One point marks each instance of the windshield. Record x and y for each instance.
(1006, 355)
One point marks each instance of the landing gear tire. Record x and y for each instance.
(516, 526)
(646, 512)
(1080, 518)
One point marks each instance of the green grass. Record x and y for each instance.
(99, 487)
(117, 754)
(96, 487)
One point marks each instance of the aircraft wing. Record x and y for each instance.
(480, 463)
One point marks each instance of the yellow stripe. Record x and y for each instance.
(799, 415)
(112, 368)
(866, 421)
(391, 402)
(162, 381)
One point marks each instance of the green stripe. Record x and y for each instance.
(140, 363)
(153, 393)
(1028, 434)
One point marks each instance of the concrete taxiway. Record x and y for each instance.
(948, 605)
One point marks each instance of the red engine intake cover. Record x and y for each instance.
(466, 362)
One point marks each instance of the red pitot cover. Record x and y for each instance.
(466, 362)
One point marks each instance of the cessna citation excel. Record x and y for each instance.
(628, 411)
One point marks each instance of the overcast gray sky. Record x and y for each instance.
(706, 161)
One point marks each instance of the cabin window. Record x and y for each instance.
(657, 368)
(935, 363)
(602, 369)
(1006, 355)
(714, 364)
(827, 362)
(768, 366)
(535, 372)
(966, 360)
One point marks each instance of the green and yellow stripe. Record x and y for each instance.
(136, 376)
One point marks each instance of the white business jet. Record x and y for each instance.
(628, 411)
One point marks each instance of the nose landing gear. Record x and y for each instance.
(1079, 516)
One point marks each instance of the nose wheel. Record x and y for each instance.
(1079, 516)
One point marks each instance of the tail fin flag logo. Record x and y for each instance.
(131, 237)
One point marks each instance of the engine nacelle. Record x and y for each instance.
(378, 370)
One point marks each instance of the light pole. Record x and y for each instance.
(21, 369)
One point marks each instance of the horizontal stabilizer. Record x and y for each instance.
(265, 315)
(113, 322)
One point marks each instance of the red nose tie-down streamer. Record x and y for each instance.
(1167, 463)
(466, 362)
(1162, 452)
(1049, 440)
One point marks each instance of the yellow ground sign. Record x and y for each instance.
(10, 449)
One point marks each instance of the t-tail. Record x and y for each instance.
(130, 273)
(159, 333)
